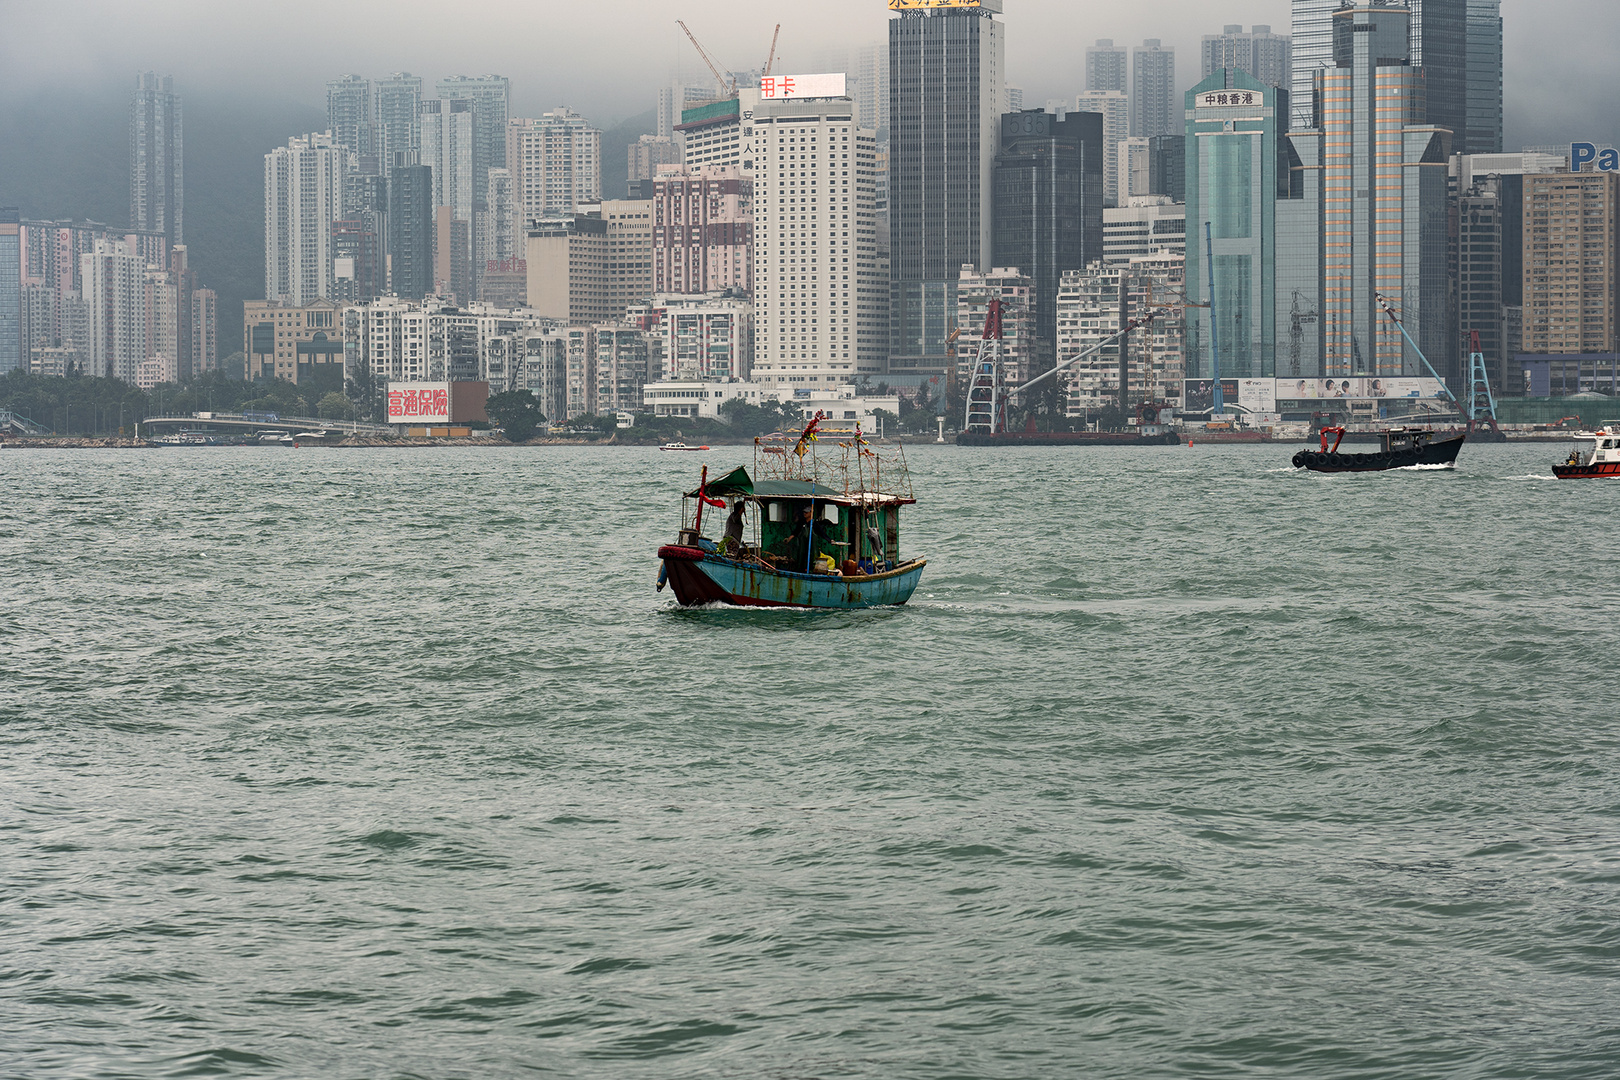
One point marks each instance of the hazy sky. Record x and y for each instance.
(605, 59)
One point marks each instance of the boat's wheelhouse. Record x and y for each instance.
(1601, 447)
(1399, 439)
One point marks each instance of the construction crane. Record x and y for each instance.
(1389, 309)
(988, 395)
(1481, 402)
(720, 81)
(771, 59)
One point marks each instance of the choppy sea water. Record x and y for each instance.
(382, 763)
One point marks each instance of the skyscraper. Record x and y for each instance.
(1571, 284)
(1114, 106)
(818, 283)
(1153, 89)
(397, 117)
(1483, 126)
(946, 79)
(1049, 188)
(1232, 127)
(410, 231)
(1105, 66)
(12, 354)
(1382, 204)
(348, 114)
(157, 158)
(447, 143)
(491, 98)
(1266, 56)
(303, 195)
(1456, 43)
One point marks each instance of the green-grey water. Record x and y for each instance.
(383, 763)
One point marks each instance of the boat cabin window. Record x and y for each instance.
(776, 511)
(1607, 443)
(830, 512)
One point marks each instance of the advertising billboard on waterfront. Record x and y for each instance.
(1257, 395)
(418, 402)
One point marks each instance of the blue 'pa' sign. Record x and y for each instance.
(1608, 159)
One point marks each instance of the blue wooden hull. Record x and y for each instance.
(700, 578)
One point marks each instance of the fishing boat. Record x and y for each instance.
(1402, 449)
(1596, 453)
(680, 446)
(816, 527)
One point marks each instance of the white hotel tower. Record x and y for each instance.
(820, 288)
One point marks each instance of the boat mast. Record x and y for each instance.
(1219, 406)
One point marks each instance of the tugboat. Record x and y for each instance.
(1402, 448)
(1601, 458)
(803, 531)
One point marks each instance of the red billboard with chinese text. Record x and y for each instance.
(418, 402)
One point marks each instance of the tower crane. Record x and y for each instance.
(771, 59)
(724, 84)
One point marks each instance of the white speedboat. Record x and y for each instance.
(680, 446)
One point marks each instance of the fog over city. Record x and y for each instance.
(606, 59)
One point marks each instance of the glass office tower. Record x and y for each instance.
(945, 94)
(1233, 177)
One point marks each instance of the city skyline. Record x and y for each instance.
(609, 85)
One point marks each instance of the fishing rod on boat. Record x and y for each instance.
(1134, 324)
(1389, 309)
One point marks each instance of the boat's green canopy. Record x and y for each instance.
(735, 482)
(795, 489)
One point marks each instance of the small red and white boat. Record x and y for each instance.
(1596, 453)
(680, 446)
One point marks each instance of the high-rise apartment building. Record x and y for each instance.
(703, 230)
(1267, 56)
(13, 354)
(646, 154)
(358, 271)
(348, 114)
(448, 148)
(1457, 44)
(1379, 223)
(629, 252)
(1114, 107)
(397, 119)
(675, 99)
(1021, 347)
(1091, 305)
(1571, 283)
(946, 80)
(410, 231)
(819, 287)
(491, 99)
(1106, 67)
(706, 337)
(157, 157)
(1153, 89)
(303, 195)
(556, 164)
(1147, 225)
(1232, 123)
(567, 267)
(1049, 209)
(204, 331)
(114, 283)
